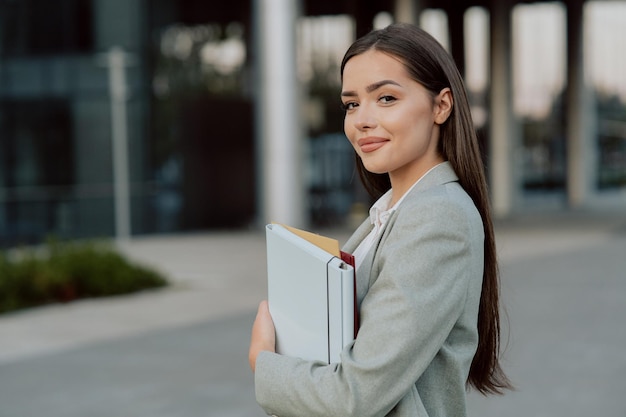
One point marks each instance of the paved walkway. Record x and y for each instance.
(182, 351)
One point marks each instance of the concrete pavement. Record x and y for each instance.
(182, 351)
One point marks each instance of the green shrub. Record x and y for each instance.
(67, 271)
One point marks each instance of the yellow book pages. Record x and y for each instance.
(328, 244)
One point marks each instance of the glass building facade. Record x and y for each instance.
(189, 113)
(188, 121)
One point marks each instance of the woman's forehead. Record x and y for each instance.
(373, 66)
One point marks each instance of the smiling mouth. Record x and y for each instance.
(368, 145)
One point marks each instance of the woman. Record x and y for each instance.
(427, 279)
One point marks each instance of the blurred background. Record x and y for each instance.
(180, 127)
(122, 118)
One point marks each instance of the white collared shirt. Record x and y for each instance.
(379, 215)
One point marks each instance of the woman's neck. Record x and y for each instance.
(402, 182)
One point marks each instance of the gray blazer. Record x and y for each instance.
(418, 291)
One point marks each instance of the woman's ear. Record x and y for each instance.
(443, 105)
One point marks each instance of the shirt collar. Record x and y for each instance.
(380, 211)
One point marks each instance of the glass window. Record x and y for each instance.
(36, 168)
(42, 27)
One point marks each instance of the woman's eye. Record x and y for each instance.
(349, 105)
(387, 99)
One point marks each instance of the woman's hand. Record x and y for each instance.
(263, 334)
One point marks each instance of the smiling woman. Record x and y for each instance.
(427, 279)
(391, 120)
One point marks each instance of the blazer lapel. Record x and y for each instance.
(441, 174)
(360, 233)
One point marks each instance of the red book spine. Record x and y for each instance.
(349, 259)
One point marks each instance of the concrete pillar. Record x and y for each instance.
(581, 152)
(407, 11)
(117, 23)
(279, 134)
(502, 137)
(116, 60)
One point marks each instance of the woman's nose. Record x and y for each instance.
(365, 119)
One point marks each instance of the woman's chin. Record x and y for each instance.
(375, 169)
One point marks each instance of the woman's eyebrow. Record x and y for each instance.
(377, 85)
(370, 88)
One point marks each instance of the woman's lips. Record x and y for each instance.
(370, 144)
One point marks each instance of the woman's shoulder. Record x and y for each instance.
(449, 196)
(444, 205)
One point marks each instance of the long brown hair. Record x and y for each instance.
(430, 65)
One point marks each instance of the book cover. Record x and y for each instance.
(310, 294)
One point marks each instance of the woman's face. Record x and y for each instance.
(391, 120)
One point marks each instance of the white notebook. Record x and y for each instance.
(310, 295)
